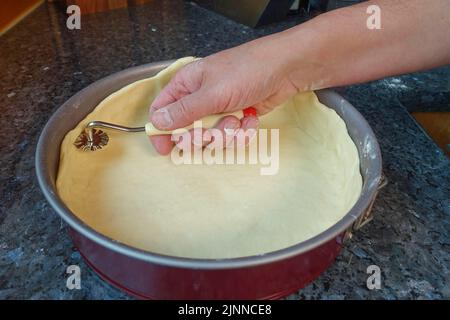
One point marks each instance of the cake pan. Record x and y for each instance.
(149, 275)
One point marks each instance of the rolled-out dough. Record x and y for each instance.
(135, 196)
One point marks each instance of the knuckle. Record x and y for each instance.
(184, 111)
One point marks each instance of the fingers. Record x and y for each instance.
(195, 138)
(182, 84)
(178, 114)
(184, 111)
(185, 81)
(168, 95)
(248, 130)
(163, 144)
(226, 129)
(229, 132)
(198, 138)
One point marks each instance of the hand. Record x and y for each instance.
(334, 49)
(248, 75)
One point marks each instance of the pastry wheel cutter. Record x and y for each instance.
(93, 138)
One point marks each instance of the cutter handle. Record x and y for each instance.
(207, 122)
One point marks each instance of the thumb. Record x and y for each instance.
(184, 111)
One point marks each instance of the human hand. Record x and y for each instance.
(247, 75)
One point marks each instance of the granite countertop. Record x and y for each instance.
(43, 64)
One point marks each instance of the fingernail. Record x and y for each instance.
(245, 137)
(162, 118)
(231, 128)
(253, 122)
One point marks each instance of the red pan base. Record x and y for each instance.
(145, 280)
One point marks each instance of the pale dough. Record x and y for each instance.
(129, 193)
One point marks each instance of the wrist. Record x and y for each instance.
(305, 56)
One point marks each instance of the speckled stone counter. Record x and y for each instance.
(42, 64)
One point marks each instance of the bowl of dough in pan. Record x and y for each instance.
(160, 228)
